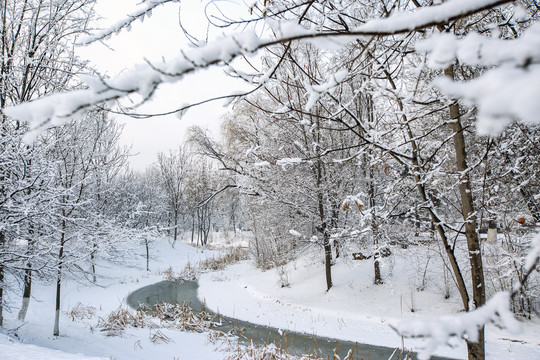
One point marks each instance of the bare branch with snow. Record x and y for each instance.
(144, 79)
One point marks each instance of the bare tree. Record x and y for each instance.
(172, 174)
(36, 59)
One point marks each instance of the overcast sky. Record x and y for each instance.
(159, 36)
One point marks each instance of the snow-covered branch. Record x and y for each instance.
(144, 79)
(531, 261)
(439, 331)
(503, 94)
(125, 24)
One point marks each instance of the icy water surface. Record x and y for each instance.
(299, 343)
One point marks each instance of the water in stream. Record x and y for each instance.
(300, 343)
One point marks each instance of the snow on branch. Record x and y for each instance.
(532, 259)
(439, 331)
(429, 16)
(316, 91)
(475, 49)
(502, 94)
(144, 79)
(125, 24)
(285, 162)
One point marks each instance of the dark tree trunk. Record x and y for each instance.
(476, 351)
(318, 170)
(327, 260)
(147, 255)
(93, 261)
(2, 244)
(334, 222)
(192, 227)
(175, 227)
(324, 230)
(26, 292)
(532, 205)
(377, 279)
(56, 330)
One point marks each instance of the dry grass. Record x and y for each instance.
(81, 312)
(189, 272)
(270, 350)
(182, 317)
(159, 337)
(169, 274)
(231, 256)
(263, 352)
(118, 320)
(169, 316)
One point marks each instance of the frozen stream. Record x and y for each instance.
(301, 343)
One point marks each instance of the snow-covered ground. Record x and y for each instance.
(353, 310)
(80, 339)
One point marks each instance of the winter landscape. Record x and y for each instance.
(368, 188)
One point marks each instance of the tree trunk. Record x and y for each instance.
(26, 292)
(175, 227)
(435, 220)
(476, 351)
(169, 216)
(2, 244)
(324, 230)
(377, 279)
(334, 222)
(318, 173)
(198, 225)
(192, 227)
(532, 204)
(327, 260)
(93, 260)
(147, 255)
(233, 219)
(56, 330)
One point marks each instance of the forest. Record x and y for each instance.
(368, 128)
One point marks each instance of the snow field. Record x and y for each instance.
(354, 309)
(80, 339)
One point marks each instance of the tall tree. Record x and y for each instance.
(36, 58)
(82, 172)
(172, 174)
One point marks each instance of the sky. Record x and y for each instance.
(157, 37)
